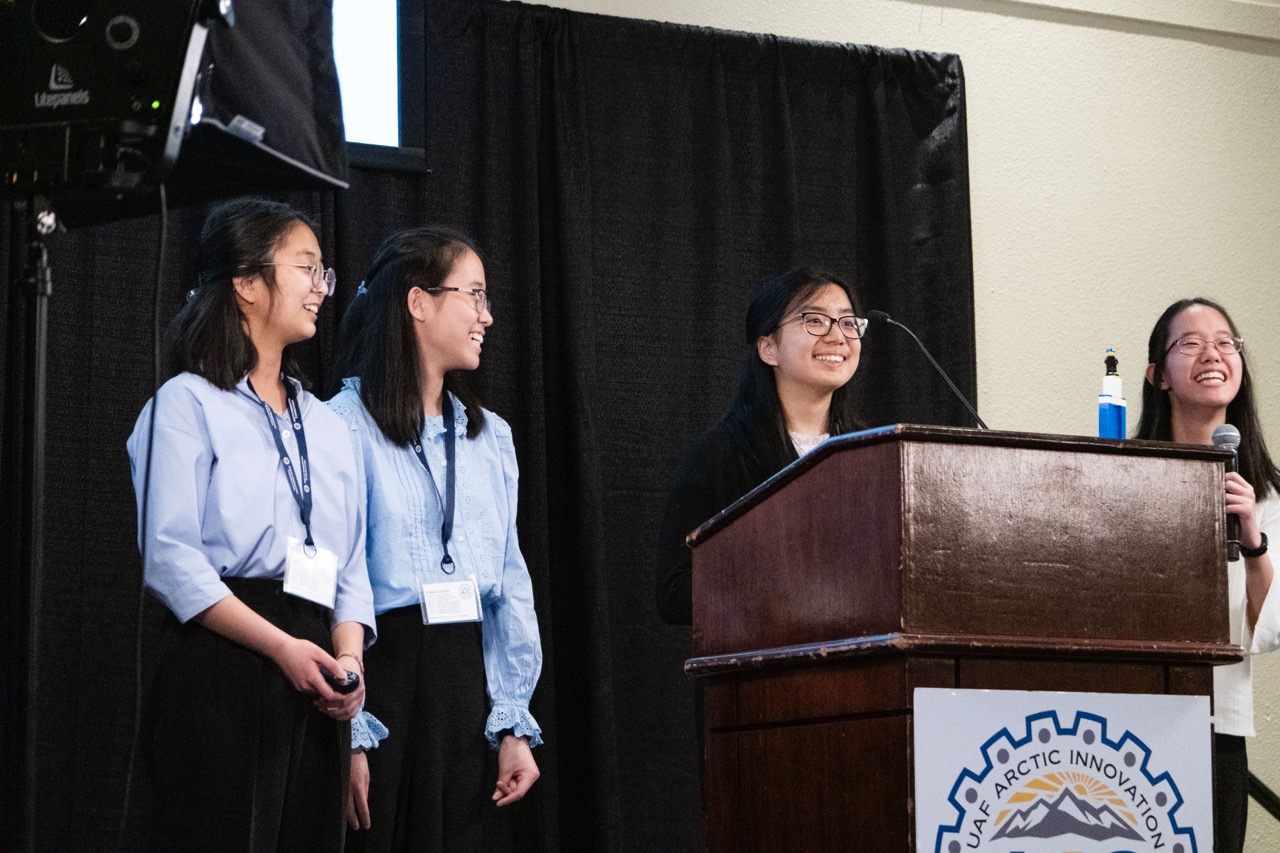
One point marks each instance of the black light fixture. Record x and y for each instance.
(105, 99)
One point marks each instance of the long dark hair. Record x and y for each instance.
(207, 337)
(1156, 421)
(378, 343)
(755, 417)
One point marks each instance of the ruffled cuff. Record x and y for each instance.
(515, 718)
(367, 731)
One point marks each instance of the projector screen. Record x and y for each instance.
(366, 49)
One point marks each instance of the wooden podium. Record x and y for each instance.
(910, 557)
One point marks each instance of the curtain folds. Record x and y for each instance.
(629, 183)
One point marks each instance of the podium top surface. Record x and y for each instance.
(951, 435)
(978, 539)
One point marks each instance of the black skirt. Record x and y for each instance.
(432, 779)
(239, 760)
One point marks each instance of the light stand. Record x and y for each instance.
(27, 371)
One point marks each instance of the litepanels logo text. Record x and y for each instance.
(59, 94)
(1055, 785)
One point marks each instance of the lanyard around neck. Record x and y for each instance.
(300, 479)
(450, 480)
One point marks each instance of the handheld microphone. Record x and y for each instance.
(1228, 438)
(881, 317)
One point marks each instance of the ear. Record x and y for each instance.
(418, 302)
(249, 288)
(1151, 378)
(767, 349)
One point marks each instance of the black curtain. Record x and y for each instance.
(630, 183)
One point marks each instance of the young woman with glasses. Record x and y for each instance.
(253, 537)
(803, 342)
(1197, 380)
(459, 654)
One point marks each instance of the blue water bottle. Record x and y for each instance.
(1111, 403)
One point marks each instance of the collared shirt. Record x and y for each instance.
(220, 504)
(404, 548)
(1233, 683)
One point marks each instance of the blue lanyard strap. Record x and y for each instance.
(450, 480)
(300, 479)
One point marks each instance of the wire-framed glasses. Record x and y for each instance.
(481, 297)
(1195, 346)
(322, 278)
(818, 324)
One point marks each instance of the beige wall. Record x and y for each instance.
(1123, 154)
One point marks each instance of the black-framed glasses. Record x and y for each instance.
(480, 296)
(322, 278)
(818, 324)
(1195, 346)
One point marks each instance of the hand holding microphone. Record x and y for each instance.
(1228, 438)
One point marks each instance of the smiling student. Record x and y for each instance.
(803, 342)
(1197, 380)
(451, 589)
(254, 541)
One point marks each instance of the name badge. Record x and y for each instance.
(451, 601)
(311, 573)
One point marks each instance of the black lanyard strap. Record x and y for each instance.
(300, 479)
(450, 480)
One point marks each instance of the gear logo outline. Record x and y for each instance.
(1071, 782)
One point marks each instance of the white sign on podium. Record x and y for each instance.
(1004, 771)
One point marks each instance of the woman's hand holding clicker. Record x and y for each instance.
(342, 707)
(304, 665)
(302, 662)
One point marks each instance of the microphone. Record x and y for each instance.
(1228, 438)
(881, 317)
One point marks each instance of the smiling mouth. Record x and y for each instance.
(1211, 376)
(314, 309)
(477, 338)
(831, 358)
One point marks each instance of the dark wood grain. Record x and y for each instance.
(960, 532)
(930, 557)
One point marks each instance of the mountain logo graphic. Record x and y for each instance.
(60, 79)
(1066, 814)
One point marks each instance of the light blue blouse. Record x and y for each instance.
(220, 504)
(404, 548)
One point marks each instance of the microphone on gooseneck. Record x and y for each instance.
(1228, 438)
(881, 317)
